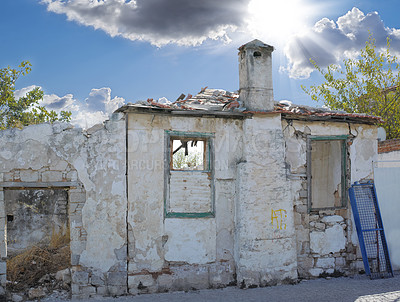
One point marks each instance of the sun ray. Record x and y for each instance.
(276, 21)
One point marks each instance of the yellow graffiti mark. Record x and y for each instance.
(279, 216)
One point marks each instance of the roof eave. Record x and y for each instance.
(333, 118)
(181, 112)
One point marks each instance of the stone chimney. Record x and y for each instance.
(255, 76)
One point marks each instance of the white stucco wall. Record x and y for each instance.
(180, 245)
(265, 234)
(386, 176)
(389, 156)
(94, 161)
(261, 230)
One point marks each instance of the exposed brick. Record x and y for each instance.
(388, 145)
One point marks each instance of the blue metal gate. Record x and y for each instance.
(371, 235)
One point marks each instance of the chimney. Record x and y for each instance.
(255, 76)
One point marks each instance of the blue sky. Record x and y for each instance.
(157, 48)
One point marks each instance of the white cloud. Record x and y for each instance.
(160, 22)
(96, 108)
(87, 119)
(328, 42)
(19, 93)
(56, 103)
(100, 100)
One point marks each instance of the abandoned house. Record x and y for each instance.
(212, 190)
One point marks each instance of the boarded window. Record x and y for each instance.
(189, 187)
(326, 167)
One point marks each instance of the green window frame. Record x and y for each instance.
(208, 167)
(313, 140)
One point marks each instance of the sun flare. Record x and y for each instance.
(274, 21)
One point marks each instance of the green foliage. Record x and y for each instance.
(369, 84)
(25, 110)
(192, 161)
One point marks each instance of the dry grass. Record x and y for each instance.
(59, 239)
(26, 269)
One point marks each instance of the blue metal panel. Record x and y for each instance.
(371, 235)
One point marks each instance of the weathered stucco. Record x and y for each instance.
(165, 248)
(246, 220)
(90, 165)
(255, 76)
(327, 239)
(250, 214)
(190, 240)
(265, 238)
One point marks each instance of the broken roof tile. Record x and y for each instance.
(221, 100)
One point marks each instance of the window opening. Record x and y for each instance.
(189, 175)
(188, 154)
(326, 172)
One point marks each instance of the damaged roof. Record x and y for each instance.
(220, 102)
(300, 112)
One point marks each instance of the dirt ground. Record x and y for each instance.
(358, 288)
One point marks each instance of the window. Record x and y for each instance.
(326, 172)
(188, 153)
(189, 179)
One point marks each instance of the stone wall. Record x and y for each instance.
(91, 166)
(327, 242)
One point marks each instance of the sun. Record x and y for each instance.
(275, 21)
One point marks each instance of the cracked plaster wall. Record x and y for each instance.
(261, 221)
(327, 239)
(265, 233)
(179, 253)
(94, 161)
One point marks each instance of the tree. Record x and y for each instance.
(25, 110)
(369, 84)
(191, 161)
